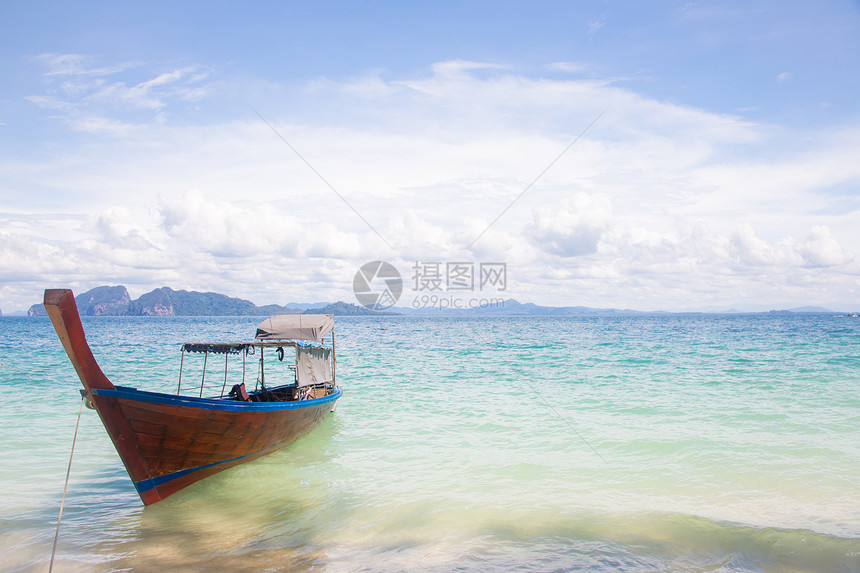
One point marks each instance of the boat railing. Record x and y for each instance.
(218, 377)
(189, 385)
(315, 391)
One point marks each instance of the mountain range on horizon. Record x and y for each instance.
(512, 307)
(164, 301)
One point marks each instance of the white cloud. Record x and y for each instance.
(573, 226)
(570, 67)
(820, 249)
(85, 92)
(671, 206)
(748, 249)
(594, 26)
(49, 102)
(130, 229)
(77, 65)
(95, 124)
(459, 68)
(226, 230)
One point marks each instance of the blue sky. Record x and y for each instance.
(721, 173)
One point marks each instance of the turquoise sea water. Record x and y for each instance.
(647, 443)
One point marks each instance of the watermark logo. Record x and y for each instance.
(443, 285)
(440, 285)
(377, 285)
(450, 276)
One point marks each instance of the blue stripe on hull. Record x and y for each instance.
(148, 484)
(126, 393)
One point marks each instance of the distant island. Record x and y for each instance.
(512, 307)
(164, 301)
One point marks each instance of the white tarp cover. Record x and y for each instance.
(295, 327)
(313, 365)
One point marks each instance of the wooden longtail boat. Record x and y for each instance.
(169, 441)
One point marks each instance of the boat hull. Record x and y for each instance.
(179, 440)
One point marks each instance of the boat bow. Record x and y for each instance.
(61, 307)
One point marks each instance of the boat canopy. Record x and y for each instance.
(295, 327)
(313, 366)
(217, 348)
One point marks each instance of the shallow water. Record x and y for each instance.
(648, 443)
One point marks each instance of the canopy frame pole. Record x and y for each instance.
(333, 362)
(224, 386)
(262, 370)
(181, 362)
(203, 378)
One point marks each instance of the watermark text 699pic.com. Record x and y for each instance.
(454, 302)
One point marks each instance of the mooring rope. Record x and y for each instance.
(66, 486)
(4, 368)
